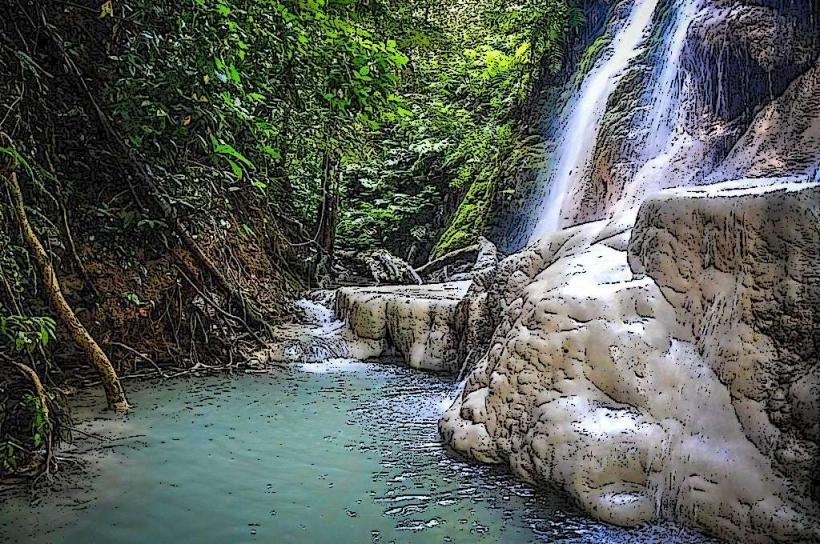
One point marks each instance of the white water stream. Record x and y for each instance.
(582, 115)
(661, 137)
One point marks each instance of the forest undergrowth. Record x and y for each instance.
(174, 173)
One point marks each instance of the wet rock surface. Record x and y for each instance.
(745, 285)
(783, 137)
(319, 336)
(670, 371)
(420, 322)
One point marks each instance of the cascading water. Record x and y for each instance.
(664, 119)
(318, 313)
(665, 138)
(661, 148)
(582, 116)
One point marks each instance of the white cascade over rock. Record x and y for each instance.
(419, 324)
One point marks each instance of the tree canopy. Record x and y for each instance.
(187, 166)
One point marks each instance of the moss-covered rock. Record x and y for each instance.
(469, 220)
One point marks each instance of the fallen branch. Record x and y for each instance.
(466, 254)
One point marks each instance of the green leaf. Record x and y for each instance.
(107, 9)
(272, 152)
(233, 74)
(229, 150)
(133, 298)
(399, 59)
(235, 168)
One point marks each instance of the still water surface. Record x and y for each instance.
(332, 452)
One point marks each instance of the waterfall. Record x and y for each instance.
(318, 313)
(581, 117)
(665, 138)
(662, 149)
(666, 88)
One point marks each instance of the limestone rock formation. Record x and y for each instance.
(420, 323)
(670, 371)
(746, 287)
(784, 136)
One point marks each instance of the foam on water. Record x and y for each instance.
(334, 365)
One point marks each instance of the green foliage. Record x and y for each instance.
(469, 220)
(34, 429)
(592, 53)
(259, 89)
(472, 65)
(11, 159)
(27, 334)
(24, 333)
(8, 457)
(133, 298)
(412, 99)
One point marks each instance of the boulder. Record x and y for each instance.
(668, 370)
(745, 284)
(388, 269)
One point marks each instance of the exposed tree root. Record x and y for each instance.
(139, 355)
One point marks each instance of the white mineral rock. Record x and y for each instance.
(684, 387)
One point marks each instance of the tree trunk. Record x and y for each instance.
(465, 254)
(96, 357)
(329, 209)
